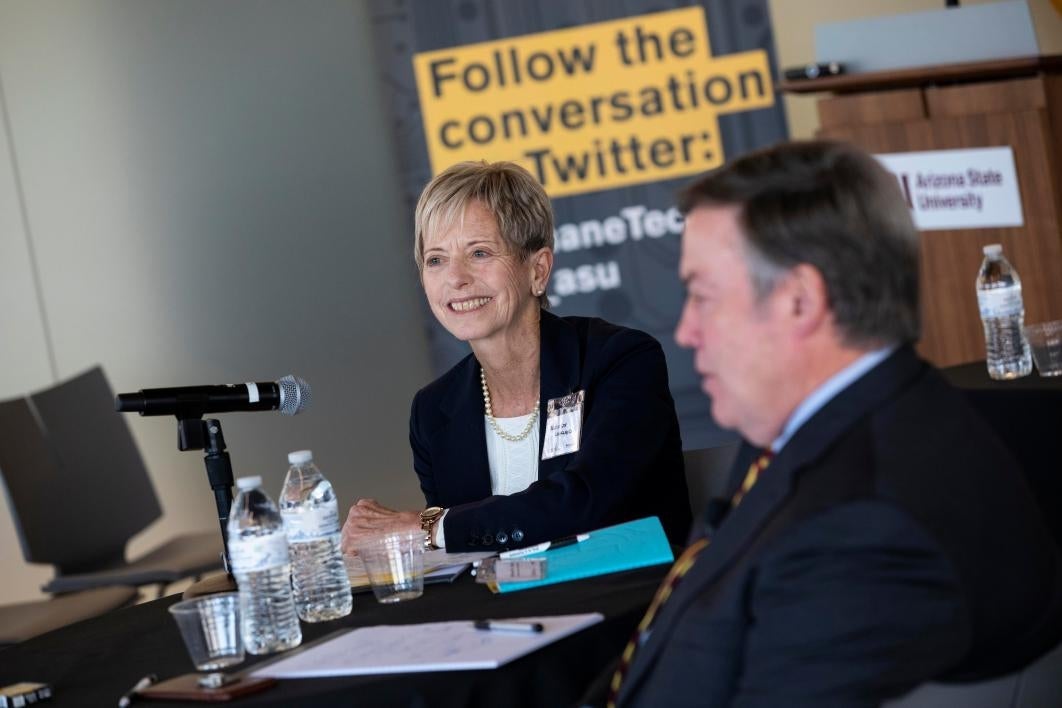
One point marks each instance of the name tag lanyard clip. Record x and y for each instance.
(564, 425)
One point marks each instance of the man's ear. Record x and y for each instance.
(806, 298)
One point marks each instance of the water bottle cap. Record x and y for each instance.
(245, 483)
(300, 457)
(993, 249)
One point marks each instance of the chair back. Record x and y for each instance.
(76, 482)
(707, 471)
(1038, 685)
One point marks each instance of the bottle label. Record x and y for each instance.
(248, 555)
(309, 524)
(1001, 302)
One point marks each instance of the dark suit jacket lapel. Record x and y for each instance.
(740, 528)
(727, 542)
(461, 444)
(560, 364)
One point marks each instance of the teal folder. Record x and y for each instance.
(635, 544)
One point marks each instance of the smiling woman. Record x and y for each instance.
(505, 454)
(476, 285)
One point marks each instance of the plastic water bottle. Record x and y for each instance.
(311, 519)
(1003, 314)
(258, 551)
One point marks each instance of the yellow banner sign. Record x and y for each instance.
(593, 107)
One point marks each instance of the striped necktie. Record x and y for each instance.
(678, 570)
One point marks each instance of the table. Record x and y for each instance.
(974, 376)
(1026, 415)
(92, 663)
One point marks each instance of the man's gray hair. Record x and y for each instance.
(834, 207)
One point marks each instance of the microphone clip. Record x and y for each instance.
(191, 433)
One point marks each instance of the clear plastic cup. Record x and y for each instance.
(1045, 340)
(394, 562)
(210, 627)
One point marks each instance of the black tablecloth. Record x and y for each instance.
(94, 662)
(974, 375)
(1026, 415)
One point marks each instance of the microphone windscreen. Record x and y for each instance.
(294, 395)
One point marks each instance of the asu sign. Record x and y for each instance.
(590, 108)
(972, 188)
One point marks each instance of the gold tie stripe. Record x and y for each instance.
(751, 476)
(671, 581)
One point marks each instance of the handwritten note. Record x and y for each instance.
(435, 646)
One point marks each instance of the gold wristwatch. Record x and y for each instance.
(428, 518)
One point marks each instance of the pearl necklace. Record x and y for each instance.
(494, 423)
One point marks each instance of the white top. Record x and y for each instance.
(300, 457)
(992, 249)
(246, 483)
(513, 465)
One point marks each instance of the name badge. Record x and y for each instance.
(564, 425)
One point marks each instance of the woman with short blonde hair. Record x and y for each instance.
(494, 474)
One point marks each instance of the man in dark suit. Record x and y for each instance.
(877, 535)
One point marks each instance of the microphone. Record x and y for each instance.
(813, 71)
(289, 395)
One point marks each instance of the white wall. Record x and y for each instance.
(203, 192)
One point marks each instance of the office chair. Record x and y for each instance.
(78, 491)
(1038, 685)
(707, 471)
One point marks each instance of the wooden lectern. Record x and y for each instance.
(1015, 102)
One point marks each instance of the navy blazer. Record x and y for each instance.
(629, 464)
(890, 542)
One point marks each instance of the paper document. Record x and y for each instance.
(435, 646)
(439, 567)
(439, 558)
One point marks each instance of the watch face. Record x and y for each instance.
(429, 515)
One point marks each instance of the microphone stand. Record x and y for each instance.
(193, 433)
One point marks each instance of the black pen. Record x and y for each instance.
(140, 685)
(509, 626)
